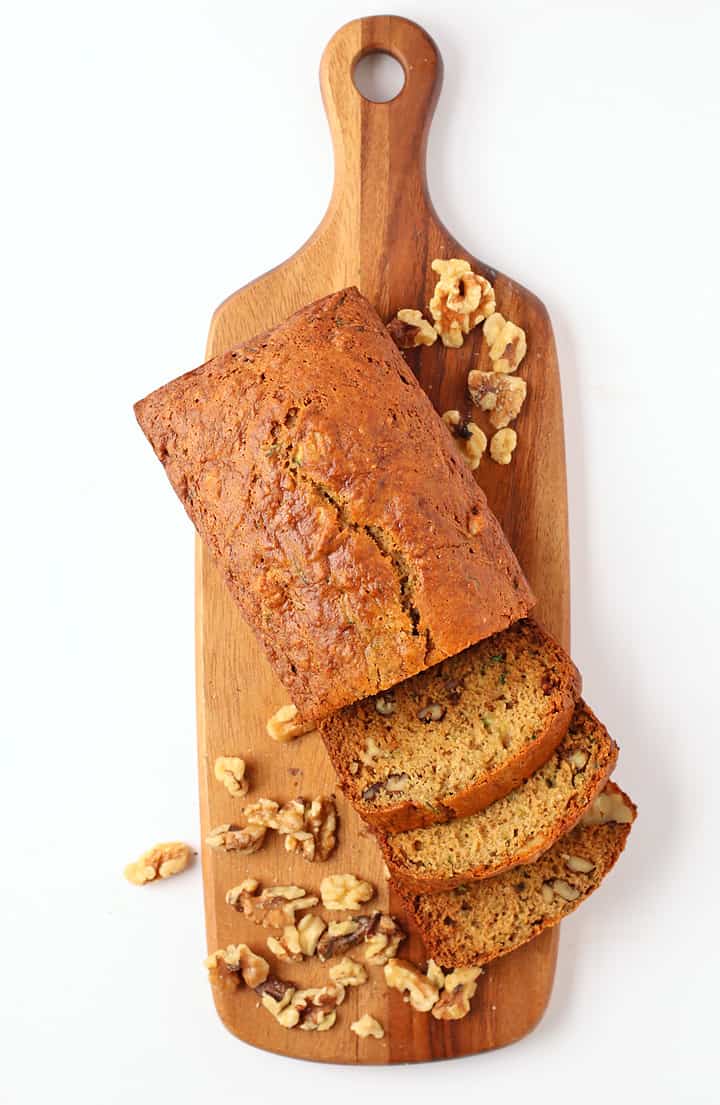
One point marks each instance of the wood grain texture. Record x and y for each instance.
(381, 233)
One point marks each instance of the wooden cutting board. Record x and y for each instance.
(380, 233)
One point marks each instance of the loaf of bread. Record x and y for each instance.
(346, 525)
(515, 829)
(451, 740)
(480, 921)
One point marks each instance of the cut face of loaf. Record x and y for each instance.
(475, 923)
(347, 528)
(516, 828)
(457, 737)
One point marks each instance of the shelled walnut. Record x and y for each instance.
(460, 301)
(345, 891)
(418, 990)
(273, 907)
(348, 972)
(234, 837)
(367, 1026)
(230, 771)
(383, 943)
(160, 862)
(313, 1009)
(315, 837)
(458, 991)
(506, 341)
(409, 329)
(229, 967)
(501, 396)
(502, 446)
(286, 724)
(380, 934)
(469, 438)
(300, 940)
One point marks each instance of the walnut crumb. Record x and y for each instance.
(159, 862)
(230, 771)
(286, 724)
(409, 329)
(460, 301)
(468, 437)
(348, 972)
(345, 891)
(502, 446)
(501, 396)
(367, 1026)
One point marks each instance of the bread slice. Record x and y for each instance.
(458, 736)
(480, 921)
(516, 828)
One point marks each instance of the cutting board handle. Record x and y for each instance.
(381, 144)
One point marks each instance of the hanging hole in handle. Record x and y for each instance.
(379, 77)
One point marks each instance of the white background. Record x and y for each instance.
(157, 155)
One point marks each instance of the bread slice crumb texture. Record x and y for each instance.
(516, 828)
(458, 736)
(480, 921)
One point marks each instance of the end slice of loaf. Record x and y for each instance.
(475, 923)
(458, 736)
(345, 524)
(515, 829)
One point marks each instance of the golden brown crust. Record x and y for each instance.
(486, 789)
(319, 475)
(428, 883)
(452, 946)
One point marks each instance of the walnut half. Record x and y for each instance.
(501, 396)
(232, 837)
(460, 301)
(420, 991)
(345, 891)
(507, 343)
(230, 771)
(273, 907)
(159, 862)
